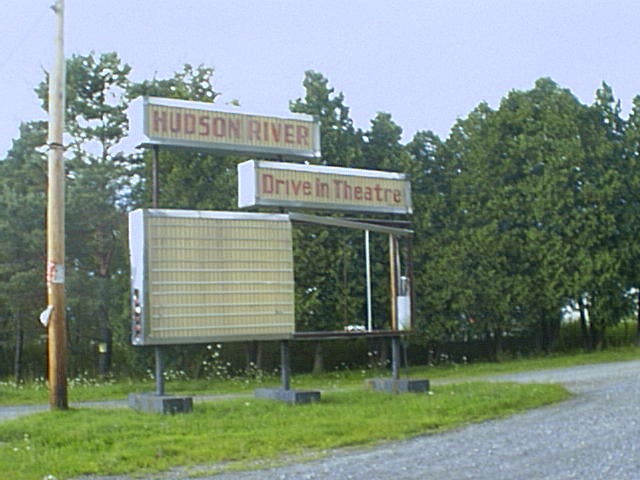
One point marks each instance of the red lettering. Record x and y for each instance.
(288, 133)
(234, 128)
(175, 122)
(300, 187)
(267, 183)
(189, 123)
(254, 130)
(397, 196)
(336, 187)
(302, 135)
(357, 193)
(296, 186)
(343, 189)
(283, 184)
(276, 131)
(204, 126)
(378, 190)
(159, 121)
(219, 127)
(322, 189)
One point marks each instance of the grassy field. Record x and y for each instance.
(83, 389)
(238, 433)
(247, 432)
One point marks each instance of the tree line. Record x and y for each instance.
(523, 211)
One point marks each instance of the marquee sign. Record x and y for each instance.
(205, 126)
(263, 183)
(202, 276)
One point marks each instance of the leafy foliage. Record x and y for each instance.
(22, 244)
(523, 210)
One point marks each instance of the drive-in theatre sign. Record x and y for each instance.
(320, 187)
(210, 276)
(204, 126)
(203, 276)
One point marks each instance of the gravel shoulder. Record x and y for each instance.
(595, 435)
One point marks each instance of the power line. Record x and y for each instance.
(18, 47)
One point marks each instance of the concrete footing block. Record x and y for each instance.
(153, 403)
(292, 397)
(391, 385)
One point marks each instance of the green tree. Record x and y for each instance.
(99, 180)
(531, 195)
(22, 244)
(328, 293)
(192, 83)
(340, 142)
(437, 301)
(190, 180)
(630, 205)
(540, 132)
(603, 216)
(324, 294)
(383, 150)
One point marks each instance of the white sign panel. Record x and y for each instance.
(319, 187)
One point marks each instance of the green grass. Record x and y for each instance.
(81, 390)
(478, 370)
(247, 432)
(244, 433)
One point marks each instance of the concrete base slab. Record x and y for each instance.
(292, 397)
(152, 403)
(391, 385)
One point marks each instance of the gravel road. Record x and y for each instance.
(595, 435)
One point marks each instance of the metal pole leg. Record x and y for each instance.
(159, 371)
(285, 365)
(395, 358)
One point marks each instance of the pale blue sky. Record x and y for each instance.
(426, 62)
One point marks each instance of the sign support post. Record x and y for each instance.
(367, 255)
(285, 364)
(159, 354)
(393, 281)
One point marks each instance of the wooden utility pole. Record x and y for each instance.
(57, 338)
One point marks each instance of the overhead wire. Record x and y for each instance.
(15, 49)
